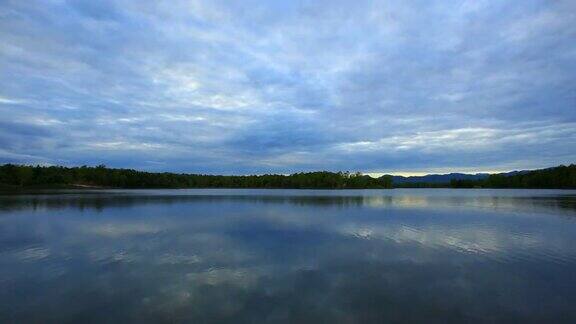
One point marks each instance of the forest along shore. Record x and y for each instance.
(16, 177)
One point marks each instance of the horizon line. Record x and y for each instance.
(371, 174)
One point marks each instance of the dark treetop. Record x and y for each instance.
(561, 177)
(23, 176)
(15, 176)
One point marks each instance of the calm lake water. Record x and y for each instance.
(297, 256)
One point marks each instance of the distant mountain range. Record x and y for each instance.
(446, 178)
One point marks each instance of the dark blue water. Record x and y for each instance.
(288, 256)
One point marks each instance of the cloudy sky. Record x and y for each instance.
(238, 87)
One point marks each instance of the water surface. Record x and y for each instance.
(288, 256)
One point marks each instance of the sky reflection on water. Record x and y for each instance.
(288, 256)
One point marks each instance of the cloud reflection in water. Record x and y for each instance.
(255, 256)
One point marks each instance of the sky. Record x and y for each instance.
(253, 87)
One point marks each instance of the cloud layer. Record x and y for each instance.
(285, 86)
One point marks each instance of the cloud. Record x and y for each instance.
(9, 101)
(254, 87)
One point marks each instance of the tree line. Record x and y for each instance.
(560, 177)
(22, 176)
(12, 175)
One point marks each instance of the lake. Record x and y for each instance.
(288, 256)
